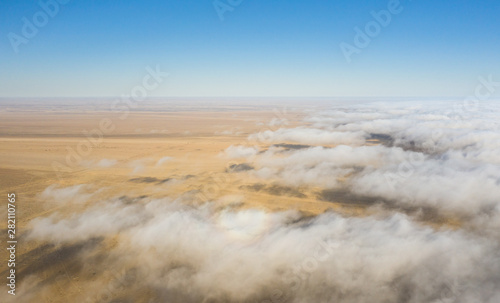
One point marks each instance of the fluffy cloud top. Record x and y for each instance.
(186, 254)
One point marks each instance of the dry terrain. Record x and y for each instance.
(46, 153)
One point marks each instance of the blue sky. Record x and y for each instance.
(261, 48)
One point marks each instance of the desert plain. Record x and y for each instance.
(148, 154)
(89, 181)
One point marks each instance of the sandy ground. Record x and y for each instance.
(32, 141)
(130, 158)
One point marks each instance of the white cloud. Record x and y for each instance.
(163, 160)
(62, 195)
(107, 163)
(250, 255)
(239, 151)
(430, 158)
(309, 136)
